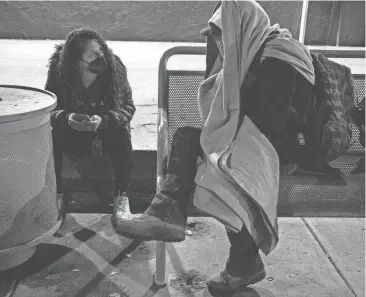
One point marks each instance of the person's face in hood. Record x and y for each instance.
(93, 59)
(215, 30)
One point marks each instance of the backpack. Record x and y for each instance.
(334, 94)
(327, 131)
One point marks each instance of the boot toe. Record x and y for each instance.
(147, 228)
(223, 284)
(218, 286)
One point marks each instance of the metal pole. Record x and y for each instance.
(162, 144)
(304, 16)
(160, 266)
(160, 273)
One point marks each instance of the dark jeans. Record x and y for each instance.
(116, 144)
(179, 184)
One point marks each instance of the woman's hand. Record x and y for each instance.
(79, 122)
(95, 121)
(84, 123)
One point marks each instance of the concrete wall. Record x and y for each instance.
(336, 23)
(121, 20)
(352, 27)
(329, 22)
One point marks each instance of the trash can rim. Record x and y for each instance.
(31, 114)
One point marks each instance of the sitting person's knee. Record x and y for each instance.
(186, 133)
(121, 134)
(122, 129)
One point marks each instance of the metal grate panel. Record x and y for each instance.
(300, 193)
(28, 205)
(306, 193)
(359, 85)
(183, 108)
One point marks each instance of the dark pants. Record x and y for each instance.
(179, 184)
(116, 144)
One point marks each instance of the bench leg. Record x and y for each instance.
(160, 273)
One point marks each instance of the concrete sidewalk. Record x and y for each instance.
(315, 258)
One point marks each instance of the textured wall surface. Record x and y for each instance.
(336, 23)
(135, 20)
(329, 22)
(352, 29)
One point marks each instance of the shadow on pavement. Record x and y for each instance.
(66, 271)
(8, 280)
(69, 272)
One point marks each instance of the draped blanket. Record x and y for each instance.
(239, 182)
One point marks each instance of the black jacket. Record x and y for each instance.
(113, 104)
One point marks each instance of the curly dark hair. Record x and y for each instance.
(71, 52)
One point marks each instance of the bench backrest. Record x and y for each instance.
(301, 193)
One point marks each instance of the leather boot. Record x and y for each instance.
(162, 221)
(224, 284)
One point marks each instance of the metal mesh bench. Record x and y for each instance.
(301, 193)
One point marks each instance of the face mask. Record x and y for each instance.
(98, 66)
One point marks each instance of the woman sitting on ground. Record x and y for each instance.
(94, 99)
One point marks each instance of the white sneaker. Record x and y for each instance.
(121, 208)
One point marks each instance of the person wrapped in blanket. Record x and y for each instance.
(94, 98)
(274, 85)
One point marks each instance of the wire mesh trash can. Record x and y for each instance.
(29, 207)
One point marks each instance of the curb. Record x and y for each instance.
(316, 237)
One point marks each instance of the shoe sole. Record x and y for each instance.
(165, 234)
(218, 292)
